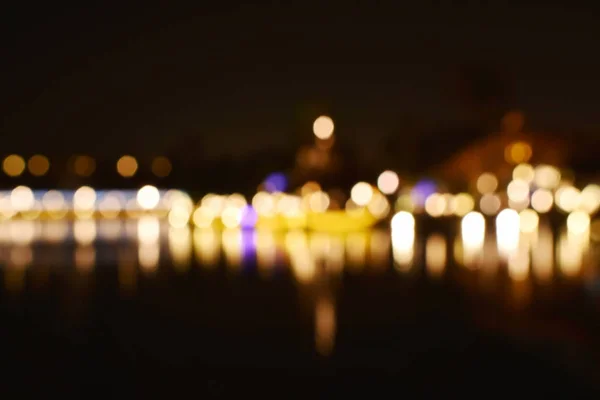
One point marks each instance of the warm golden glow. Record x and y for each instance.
(507, 231)
(309, 188)
(111, 204)
(403, 240)
(361, 193)
(127, 166)
(235, 200)
(388, 182)
(518, 191)
(319, 201)
(214, 203)
(22, 199)
(542, 254)
(38, 165)
(435, 254)
(324, 327)
(529, 221)
(473, 230)
(323, 127)
(590, 199)
(463, 204)
(405, 202)
(487, 183)
(578, 222)
(435, 205)
(13, 165)
(379, 206)
(179, 216)
(547, 177)
(518, 152)
(524, 172)
(231, 217)
(542, 200)
(489, 204)
(84, 200)
(264, 204)
(161, 166)
(203, 217)
(84, 165)
(148, 229)
(148, 197)
(84, 231)
(567, 198)
(54, 203)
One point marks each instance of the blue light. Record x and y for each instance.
(422, 190)
(249, 218)
(276, 182)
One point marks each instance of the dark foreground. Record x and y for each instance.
(215, 334)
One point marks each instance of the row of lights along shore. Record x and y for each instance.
(38, 165)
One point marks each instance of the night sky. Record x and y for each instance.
(229, 80)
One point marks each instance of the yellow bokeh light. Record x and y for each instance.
(487, 183)
(264, 204)
(319, 201)
(22, 198)
(13, 165)
(578, 222)
(235, 200)
(148, 197)
(127, 166)
(379, 206)
(405, 202)
(529, 220)
(323, 127)
(388, 182)
(231, 217)
(84, 231)
(508, 227)
(309, 188)
(179, 216)
(524, 172)
(518, 191)
(542, 200)
(361, 193)
(84, 199)
(289, 205)
(435, 205)
(54, 203)
(161, 166)
(489, 204)
(590, 199)
(473, 230)
(148, 229)
(403, 221)
(546, 177)
(567, 198)
(214, 202)
(518, 152)
(463, 204)
(111, 205)
(203, 217)
(38, 165)
(84, 165)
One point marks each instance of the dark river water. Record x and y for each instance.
(132, 307)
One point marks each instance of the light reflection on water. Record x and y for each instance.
(144, 245)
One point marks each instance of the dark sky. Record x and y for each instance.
(229, 79)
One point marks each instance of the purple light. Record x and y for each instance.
(249, 218)
(276, 182)
(422, 190)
